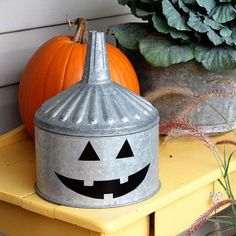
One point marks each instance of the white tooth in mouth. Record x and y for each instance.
(88, 183)
(108, 196)
(124, 179)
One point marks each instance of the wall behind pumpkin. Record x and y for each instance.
(26, 24)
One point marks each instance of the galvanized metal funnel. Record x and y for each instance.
(96, 142)
(96, 64)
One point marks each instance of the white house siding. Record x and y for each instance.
(26, 24)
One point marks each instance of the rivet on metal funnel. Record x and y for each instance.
(96, 64)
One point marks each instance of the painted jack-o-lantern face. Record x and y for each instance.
(99, 188)
(96, 142)
(98, 171)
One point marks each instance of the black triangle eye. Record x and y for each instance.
(89, 154)
(125, 151)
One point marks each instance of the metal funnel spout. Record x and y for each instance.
(96, 63)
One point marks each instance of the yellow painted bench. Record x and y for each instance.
(188, 173)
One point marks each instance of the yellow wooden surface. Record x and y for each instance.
(19, 135)
(186, 167)
(17, 166)
(15, 221)
(138, 228)
(179, 215)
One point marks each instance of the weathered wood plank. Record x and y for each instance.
(17, 48)
(25, 14)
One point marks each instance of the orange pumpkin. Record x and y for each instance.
(57, 65)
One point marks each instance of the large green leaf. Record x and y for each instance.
(173, 17)
(234, 32)
(141, 13)
(213, 24)
(162, 52)
(225, 32)
(216, 58)
(214, 37)
(142, 10)
(226, 0)
(124, 2)
(164, 28)
(129, 34)
(233, 35)
(196, 23)
(223, 13)
(188, 1)
(149, 1)
(207, 4)
(231, 40)
(183, 6)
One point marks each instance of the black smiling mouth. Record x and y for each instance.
(100, 188)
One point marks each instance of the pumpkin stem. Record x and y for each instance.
(81, 35)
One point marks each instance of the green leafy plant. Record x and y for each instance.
(181, 30)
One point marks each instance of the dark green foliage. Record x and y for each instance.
(181, 30)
